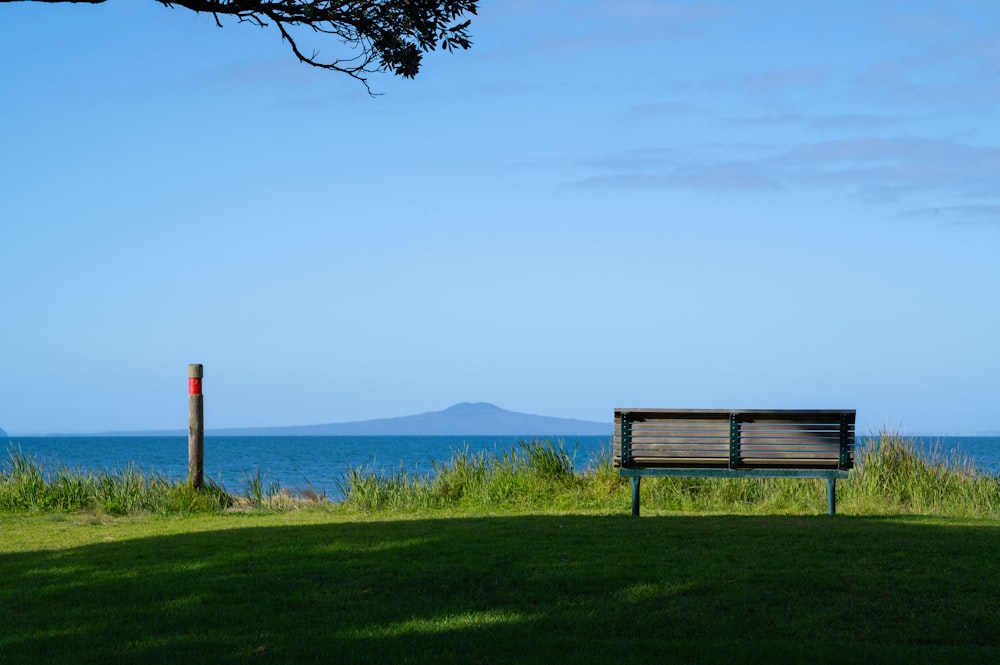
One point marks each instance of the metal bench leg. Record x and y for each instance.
(831, 496)
(635, 495)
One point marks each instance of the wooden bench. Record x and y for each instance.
(734, 444)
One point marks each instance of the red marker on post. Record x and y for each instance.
(196, 428)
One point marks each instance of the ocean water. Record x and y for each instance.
(299, 462)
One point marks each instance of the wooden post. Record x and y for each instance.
(196, 427)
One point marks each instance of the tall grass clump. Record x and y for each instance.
(531, 474)
(260, 492)
(897, 474)
(28, 485)
(22, 482)
(263, 494)
(601, 485)
(535, 473)
(734, 495)
(368, 490)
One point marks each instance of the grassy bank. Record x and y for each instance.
(324, 586)
(26, 484)
(892, 476)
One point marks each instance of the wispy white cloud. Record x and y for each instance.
(738, 176)
(769, 119)
(657, 9)
(845, 121)
(706, 167)
(870, 168)
(924, 26)
(662, 109)
(900, 165)
(853, 121)
(941, 77)
(770, 81)
(988, 213)
(617, 25)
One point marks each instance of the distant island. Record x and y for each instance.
(3, 434)
(465, 419)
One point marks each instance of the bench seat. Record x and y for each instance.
(734, 443)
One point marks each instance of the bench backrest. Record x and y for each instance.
(704, 438)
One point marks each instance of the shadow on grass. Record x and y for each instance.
(582, 589)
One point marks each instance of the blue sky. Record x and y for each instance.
(603, 204)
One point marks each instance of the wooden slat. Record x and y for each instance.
(682, 462)
(647, 434)
(687, 426)
(808, 454)
(684, 414)
(652, 431)
(683, 422)
(789, 427)
(680, 452)
(792, 462)
(789, 443)
(790, 433)
(666, 436)
(746, 451)
(654, 449)
(671, 440)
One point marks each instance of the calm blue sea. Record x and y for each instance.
(320, 461)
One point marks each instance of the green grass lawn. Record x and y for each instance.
(333, 586)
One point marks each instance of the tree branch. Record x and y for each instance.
(382, 35)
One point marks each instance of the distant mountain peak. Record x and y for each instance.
(464, 418)
(473, 409)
